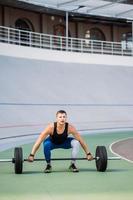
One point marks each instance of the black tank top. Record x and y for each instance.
(59, 138)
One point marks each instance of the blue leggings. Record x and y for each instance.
(70, 142)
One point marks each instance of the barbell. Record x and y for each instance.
(100, 158)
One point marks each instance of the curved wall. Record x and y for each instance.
(34, 84)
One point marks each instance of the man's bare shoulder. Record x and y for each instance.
(71, 128)
(48, 129)
(50, 126)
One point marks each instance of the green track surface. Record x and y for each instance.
(115, 183)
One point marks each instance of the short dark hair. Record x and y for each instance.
(61, 111)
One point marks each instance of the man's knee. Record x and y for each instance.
(75, 144)
(47, 145)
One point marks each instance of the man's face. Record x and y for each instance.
(61, 118)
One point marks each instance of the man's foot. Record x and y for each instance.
(73, 168)
(48, 168)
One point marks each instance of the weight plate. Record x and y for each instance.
(101, 161)
(18, 160)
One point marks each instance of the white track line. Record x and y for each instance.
(110, 147)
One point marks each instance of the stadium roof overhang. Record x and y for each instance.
(112, 9)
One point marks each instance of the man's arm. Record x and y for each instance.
(78, 137)
(38, 142)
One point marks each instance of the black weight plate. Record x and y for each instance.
(101, 162)
(18, 159)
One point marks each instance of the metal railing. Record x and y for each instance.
(46, 41)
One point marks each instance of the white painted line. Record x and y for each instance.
(110, 147)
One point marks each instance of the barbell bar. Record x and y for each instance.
(5, 160)
(57, 159)
(100, 158)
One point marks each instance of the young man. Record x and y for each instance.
(56, 135)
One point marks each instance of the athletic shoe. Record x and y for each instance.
(48, 168)
(73, 168)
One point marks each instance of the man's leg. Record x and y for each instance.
(47, 147)
(74, 144)
(69, 143)
(75, 149)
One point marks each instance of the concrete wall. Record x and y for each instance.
(62, 56)
(95, 90)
